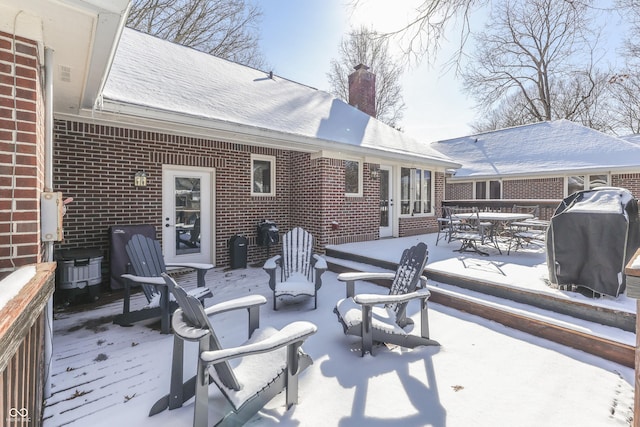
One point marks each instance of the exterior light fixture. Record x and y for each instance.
(140, 179)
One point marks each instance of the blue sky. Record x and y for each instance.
(299, 39)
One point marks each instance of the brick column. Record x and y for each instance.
(21, 152)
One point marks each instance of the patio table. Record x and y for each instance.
(500, 221)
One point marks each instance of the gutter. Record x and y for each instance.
(149, 119)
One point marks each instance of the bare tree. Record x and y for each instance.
(625, 89)
(364, 46)
(421, 36)
(532, 51)
(224, 28)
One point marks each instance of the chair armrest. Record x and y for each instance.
(194, 265)
(270, 266)
(319, 262)
(272, 263)
(423, 282)
(144, 280)
(235, 304)
(375, 299)
(290, 334)
(352, 276)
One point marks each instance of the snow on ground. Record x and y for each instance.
(483, 374)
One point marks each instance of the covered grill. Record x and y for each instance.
(592, 235)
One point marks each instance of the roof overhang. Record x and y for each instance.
(144, 118)
(83, 35)
(545, 174)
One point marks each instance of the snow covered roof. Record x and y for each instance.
(157, 76)
(539, 149)
(634, 137)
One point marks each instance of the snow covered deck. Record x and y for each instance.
(484, 374)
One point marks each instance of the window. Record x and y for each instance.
(415, 191)
(352, 181)
(586, 182)
(495, 190)
(263, 175)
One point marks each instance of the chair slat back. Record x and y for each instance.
(146, 259)
(410, 268)
(193, 314)
(297, 249)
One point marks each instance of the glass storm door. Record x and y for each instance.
(187, 215)
(386, 202)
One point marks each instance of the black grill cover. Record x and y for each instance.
(592, 235)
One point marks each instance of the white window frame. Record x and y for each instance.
(487, 184)
(586, 182)
(360, 175)
(272, 170)
(412, 191)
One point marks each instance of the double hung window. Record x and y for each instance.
(352, 178)
(263, 175)
(585, 182)
(488, 190)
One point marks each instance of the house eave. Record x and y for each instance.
(546, 174)
(148, 119)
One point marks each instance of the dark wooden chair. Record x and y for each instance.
(382, 318)
(147, 266)
(249, 375)
(300, 268)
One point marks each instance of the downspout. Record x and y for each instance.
(48, 186)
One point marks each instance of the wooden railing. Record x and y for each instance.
(22, 336)
(547, 206)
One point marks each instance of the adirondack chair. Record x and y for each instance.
(300, 268)
(147, 265)
(382, 318)
(249, 375)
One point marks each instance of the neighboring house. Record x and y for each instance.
(150, 132)
(546, 160)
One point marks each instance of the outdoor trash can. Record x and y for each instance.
(79, 272)
(238, 251)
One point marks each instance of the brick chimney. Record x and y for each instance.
(362, 90)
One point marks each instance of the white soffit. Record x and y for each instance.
(82, 35)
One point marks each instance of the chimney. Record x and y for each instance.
(362, 90)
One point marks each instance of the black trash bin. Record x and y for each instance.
(238, 251)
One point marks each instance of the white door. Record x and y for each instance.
(187, 214)
(386, 201)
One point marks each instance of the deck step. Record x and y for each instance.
(610, 342)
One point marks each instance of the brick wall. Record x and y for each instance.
(538, 188)
(630, 181)
(96, 165)
(459, 191)
(21, 152)
(357, 218)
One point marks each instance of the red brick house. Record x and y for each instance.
(546, 160)
(149, 132)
